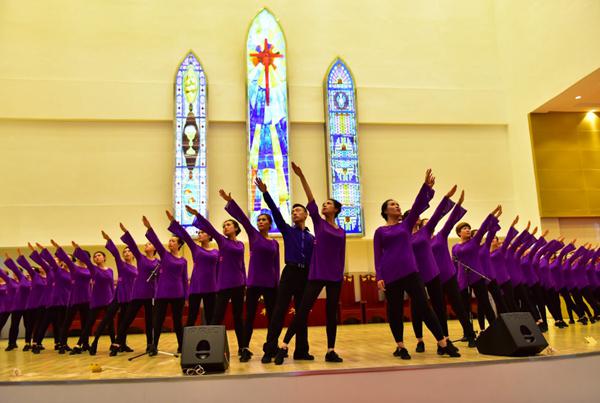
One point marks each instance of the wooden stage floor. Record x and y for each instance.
(363, 347)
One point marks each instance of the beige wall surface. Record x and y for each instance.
(86, 105)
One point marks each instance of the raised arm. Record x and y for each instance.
(441, 210)
(130, 242)
(421, 203)
(112, 248)
(202, 223)
(62, 255)
(510, 235)
(81, 255)
(277, 217)
(153, 238)
(491, 234)
(24, 263)
(38, 258)
(180, 232)
(305, 186)
(522, 237)
(236, 212)
(457, 213)
(13, 267)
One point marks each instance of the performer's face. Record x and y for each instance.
(328, 208)
(99, 258)
(465, 232)
(229, 229)
(495, 243)
(149, 248)
(127, 255)
(393, 209)
(263, 223)
(203, 237)
(298, 215)
(173, 244)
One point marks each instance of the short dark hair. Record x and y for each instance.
(405, 214)
(179, 241)
(337, 205)
(301, 206)
(461, 225)
(100, 252)
(236, 225)
(384, 208)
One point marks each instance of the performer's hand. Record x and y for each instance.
(122, 227)
(105, 236)
(75, 245)
(381, 285)
(146, 222)
(53, 242)
(534, 231)
(39, 245)
(496, 210)
(451, 191)
(191, 210)
(573, 241)
(461, 199)
(545, 233)
(528, 226)
(225, 196)
(19, 252)
(30, 246)
(561, 239)
(6, 257)
(170, 215)
(260, 185)
(515, 221)
(429, 178)
(297, 169)
(499, 212)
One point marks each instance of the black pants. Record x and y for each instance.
(483, 301)
(591, 300)
(578, 299)
(525, 304)
(394, 293)
(55, 316)
(553, 302)
(452, 292)
(436, 295)
(160, 312)
(129, 316)
(252, 295)
(292, 284)
(509, 297)
(539, 300)
(494, 289)
(194, 307)
(311, 293)
(84, 310)
(236, 295)
(109, 320)
(15, 321)
(571, 306)
(84, 338)
(3, 319)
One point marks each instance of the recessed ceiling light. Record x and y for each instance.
(578, 97)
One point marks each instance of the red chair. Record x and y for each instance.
(350, 311)
(375, 309)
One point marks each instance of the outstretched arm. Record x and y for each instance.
(441, 210)
(202, 223)
(305, 186)
(180, 232)
(277, 217)
(236, 212)
(153, 238)
(457, 213)
(421, 203)
(130, 242)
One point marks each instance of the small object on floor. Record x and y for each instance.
(95, 368)
(16, 372)
(402, 353)
(333, 357)
(420, 347)
(549, 351)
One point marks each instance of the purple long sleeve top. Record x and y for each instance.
(556, 267)
(38, 285)
(204, 273)
(329, 252)
(142, 288)
(393, 252)
(103, 286)
(61, 289)
(81, 290)
(528, 263)
(542, 262)
(172, 279)
(498, 257)
(263, 269)
(232, 269)
(3, 297)
(422, 243)
(22, 295)
(127, 274)
(484, 254)
(12, 286)
(50, 281)
(467, 253)
(579, 270)
(569, 266)
(513, 257)
(439, 245)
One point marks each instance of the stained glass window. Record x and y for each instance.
(190, 185)
(267, 109)
(342, 146)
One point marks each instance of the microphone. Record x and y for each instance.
(153, 273)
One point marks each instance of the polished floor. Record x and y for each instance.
(361, 346)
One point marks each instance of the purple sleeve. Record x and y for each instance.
(576, 255)
(24, 263)
(313, 210)
(112, 248)
(180, 232)
(202, 223)
(37, 257)
(510, 235)
(485, 226)
(540, 243)
(81, 255)
(441, 210)
(519, 240)
(377, 252)
(14, 268)
(420, 204)
(62, 255)
(5, 277)
(564, 251)
(153, 238)
(185, 282)
(528, 242)
(277, 217)
(457, 213)
(130, 242)
(236, 212)
(491, 234)
(546, 249)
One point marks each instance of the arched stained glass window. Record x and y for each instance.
(190, 184)
(342, 146)
(267, 114)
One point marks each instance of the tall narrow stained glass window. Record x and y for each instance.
(190, 185)
(342, 146)
(267, 114)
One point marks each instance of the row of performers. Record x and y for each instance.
(523, 273)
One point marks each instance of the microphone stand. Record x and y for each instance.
(151, 277)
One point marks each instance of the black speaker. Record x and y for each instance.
(205, 346)
(512, 334)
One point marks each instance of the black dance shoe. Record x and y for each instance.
(280, 356)
(402, 353)
(56, 346)
(246, 355)
(178, 349)
(27, 347)
(114, 350)
(333, 357)
(35, 349)
(75, 350)
(153, 351)
(11, 347)
(543, 327)
(267, 358)
(125, 349)
(583, 320)
(148, 348)
(450, 350)
(471, 342)
(304, 357)
(571, 322)
(592, 320)
(41, 346)
(93, 349)
(420, 347)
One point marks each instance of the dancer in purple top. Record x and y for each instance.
(12, 287)
(203, 283)
(326, 270)
(171, 286)
(263, 270)
(19, 308)
(231, 277)
(103, 289)
(127, 273)
(142, 293)
(498, 261)
(396, 269)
